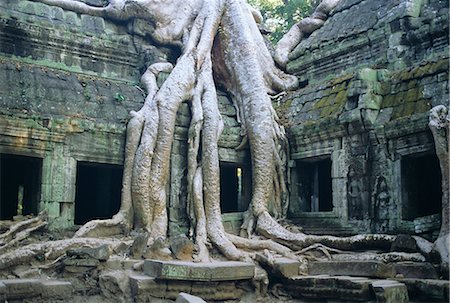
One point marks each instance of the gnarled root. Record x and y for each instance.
(302, 29)
(21, 230)
(50, 250)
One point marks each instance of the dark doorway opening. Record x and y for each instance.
(421, 186)
(98, 191)
(235, 186)
(315, 185)
(20, 185)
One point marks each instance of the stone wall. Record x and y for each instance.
(67, 84)
(369, 77)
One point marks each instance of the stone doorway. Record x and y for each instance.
(20, 185)
(421, 186)
(315, 185)
(98, 191)
(235, 186)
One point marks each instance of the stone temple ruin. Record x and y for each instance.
(362, 156)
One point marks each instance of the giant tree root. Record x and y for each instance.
(50, 250)
(221, 46)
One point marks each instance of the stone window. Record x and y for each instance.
(421, 186)
(235, 187)
(20, 185)
(314, 185)
(98, 191)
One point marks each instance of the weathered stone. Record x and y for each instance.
(187, 298)
(139, 244)
(100, 253)
(387, 291)
(415, 270)
(375, 269)
(427, 289)
(143, 286)
(281, 267)
(22, 288)
(329, 287)
(115, 284)
(56, 289)
(404, 243)
(215, 271)
(182, 247)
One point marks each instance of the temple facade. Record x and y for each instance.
(362, 158)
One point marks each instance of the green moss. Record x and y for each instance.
(422, 106)
(423, 70)
(389, 101)
(341, 79)
(341, 98)
(413, 95)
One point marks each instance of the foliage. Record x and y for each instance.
(281, 15)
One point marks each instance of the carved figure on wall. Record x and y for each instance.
(382, 207)
(354, 190)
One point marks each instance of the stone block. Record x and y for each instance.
(281, 267)
(22, 288)
(114, 283)
(56, 289)
(375, 269)
(387, 291)
(189, 271)
(101, 252)
(3, 291)
(415, 270)
(187, 298)
(342, 288)
(428, 289)
(142, 286)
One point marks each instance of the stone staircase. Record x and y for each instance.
(361, 281)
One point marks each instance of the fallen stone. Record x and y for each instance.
(182, 248)
(22, 288)
(388, 291)
(101, 252)
(115, 284)
(280, 267)
(139, 245)
(52, 289)
(143, 286)
(376, 269)
(186, 298)
(404, 243)
(215, 271)
(27, 289)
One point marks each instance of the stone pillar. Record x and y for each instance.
(58, 188)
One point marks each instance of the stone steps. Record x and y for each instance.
(362, 289)
(36, 289)
(374, 269)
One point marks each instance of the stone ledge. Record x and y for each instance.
(17, 289)
(375, 269)
(388, 291)
(330, 287)
(189, 271)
